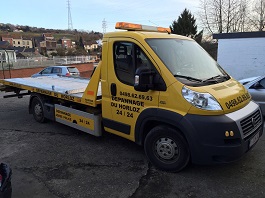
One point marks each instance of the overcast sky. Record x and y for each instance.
(88, 15)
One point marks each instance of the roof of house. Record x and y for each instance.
(16, 36)
(239, 35)
(28, 54)
(47, 34)
(23, 49)
(19, 49)
(5, 45)
(6, 36)
(29, 50)
(26, 38)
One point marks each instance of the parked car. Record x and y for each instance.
(58, 70)
(5, 181)
(256, 88)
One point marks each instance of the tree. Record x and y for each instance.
(186, 26)
(61, 51)
(258, 17)
(25, 28)
(220, 16)
(81, 44)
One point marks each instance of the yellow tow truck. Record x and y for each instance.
(158, 89)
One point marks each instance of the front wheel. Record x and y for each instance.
(167, 149)
(37, 110)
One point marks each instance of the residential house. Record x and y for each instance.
(73, 44)
(37, 45)
(48, 43)
(19, 41)
(27, 42)
(66, 43)
(91, 46)
(7, 38)
(29, 55)
(26, 53)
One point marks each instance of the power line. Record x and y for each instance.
(70, 24)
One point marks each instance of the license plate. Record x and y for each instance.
(253, 140)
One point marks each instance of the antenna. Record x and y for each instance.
(104, 26)
(70, 24)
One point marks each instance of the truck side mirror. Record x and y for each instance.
(143, 80)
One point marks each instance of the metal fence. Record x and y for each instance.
(44, 61)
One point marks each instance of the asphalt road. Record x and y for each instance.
(53, 160)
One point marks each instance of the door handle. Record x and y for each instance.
(113, 89)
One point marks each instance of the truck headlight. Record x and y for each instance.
(201, 100)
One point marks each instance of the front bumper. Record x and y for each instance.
(225, 138)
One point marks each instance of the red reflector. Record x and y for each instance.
(67, 74)
(90, 92)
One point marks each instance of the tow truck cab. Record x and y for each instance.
(165, 92)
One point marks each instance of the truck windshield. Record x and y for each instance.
(188, 61)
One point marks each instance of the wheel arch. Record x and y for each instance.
(152, 117)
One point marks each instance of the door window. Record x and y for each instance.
(56, 70)
(127, 58)
(47, 70)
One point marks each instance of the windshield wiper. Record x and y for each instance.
(216, 78)
(188, 78)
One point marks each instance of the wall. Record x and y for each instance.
(27, 43)
(84, 69)
(17, 42)
(242, 57)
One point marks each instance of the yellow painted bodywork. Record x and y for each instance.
(171, 99)
(90, 95)
(128, 104)
(230, 94)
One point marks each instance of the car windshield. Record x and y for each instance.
(187, 60)
(73, 70)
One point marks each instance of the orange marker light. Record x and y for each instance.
(161, 29)
(132, 26)
(128, 26)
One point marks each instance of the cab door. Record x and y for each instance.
(122, 104)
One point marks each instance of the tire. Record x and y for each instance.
(37, 110)
(167, 149)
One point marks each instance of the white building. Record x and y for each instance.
(242, 54)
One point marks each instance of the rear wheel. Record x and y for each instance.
(167, 149)
(37, 110)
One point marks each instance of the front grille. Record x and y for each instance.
(251, 123)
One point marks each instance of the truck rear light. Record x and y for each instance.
(67, 74)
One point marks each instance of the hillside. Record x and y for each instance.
(30, 32)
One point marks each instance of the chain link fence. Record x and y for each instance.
(44, 61)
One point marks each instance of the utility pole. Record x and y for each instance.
(70, 24)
